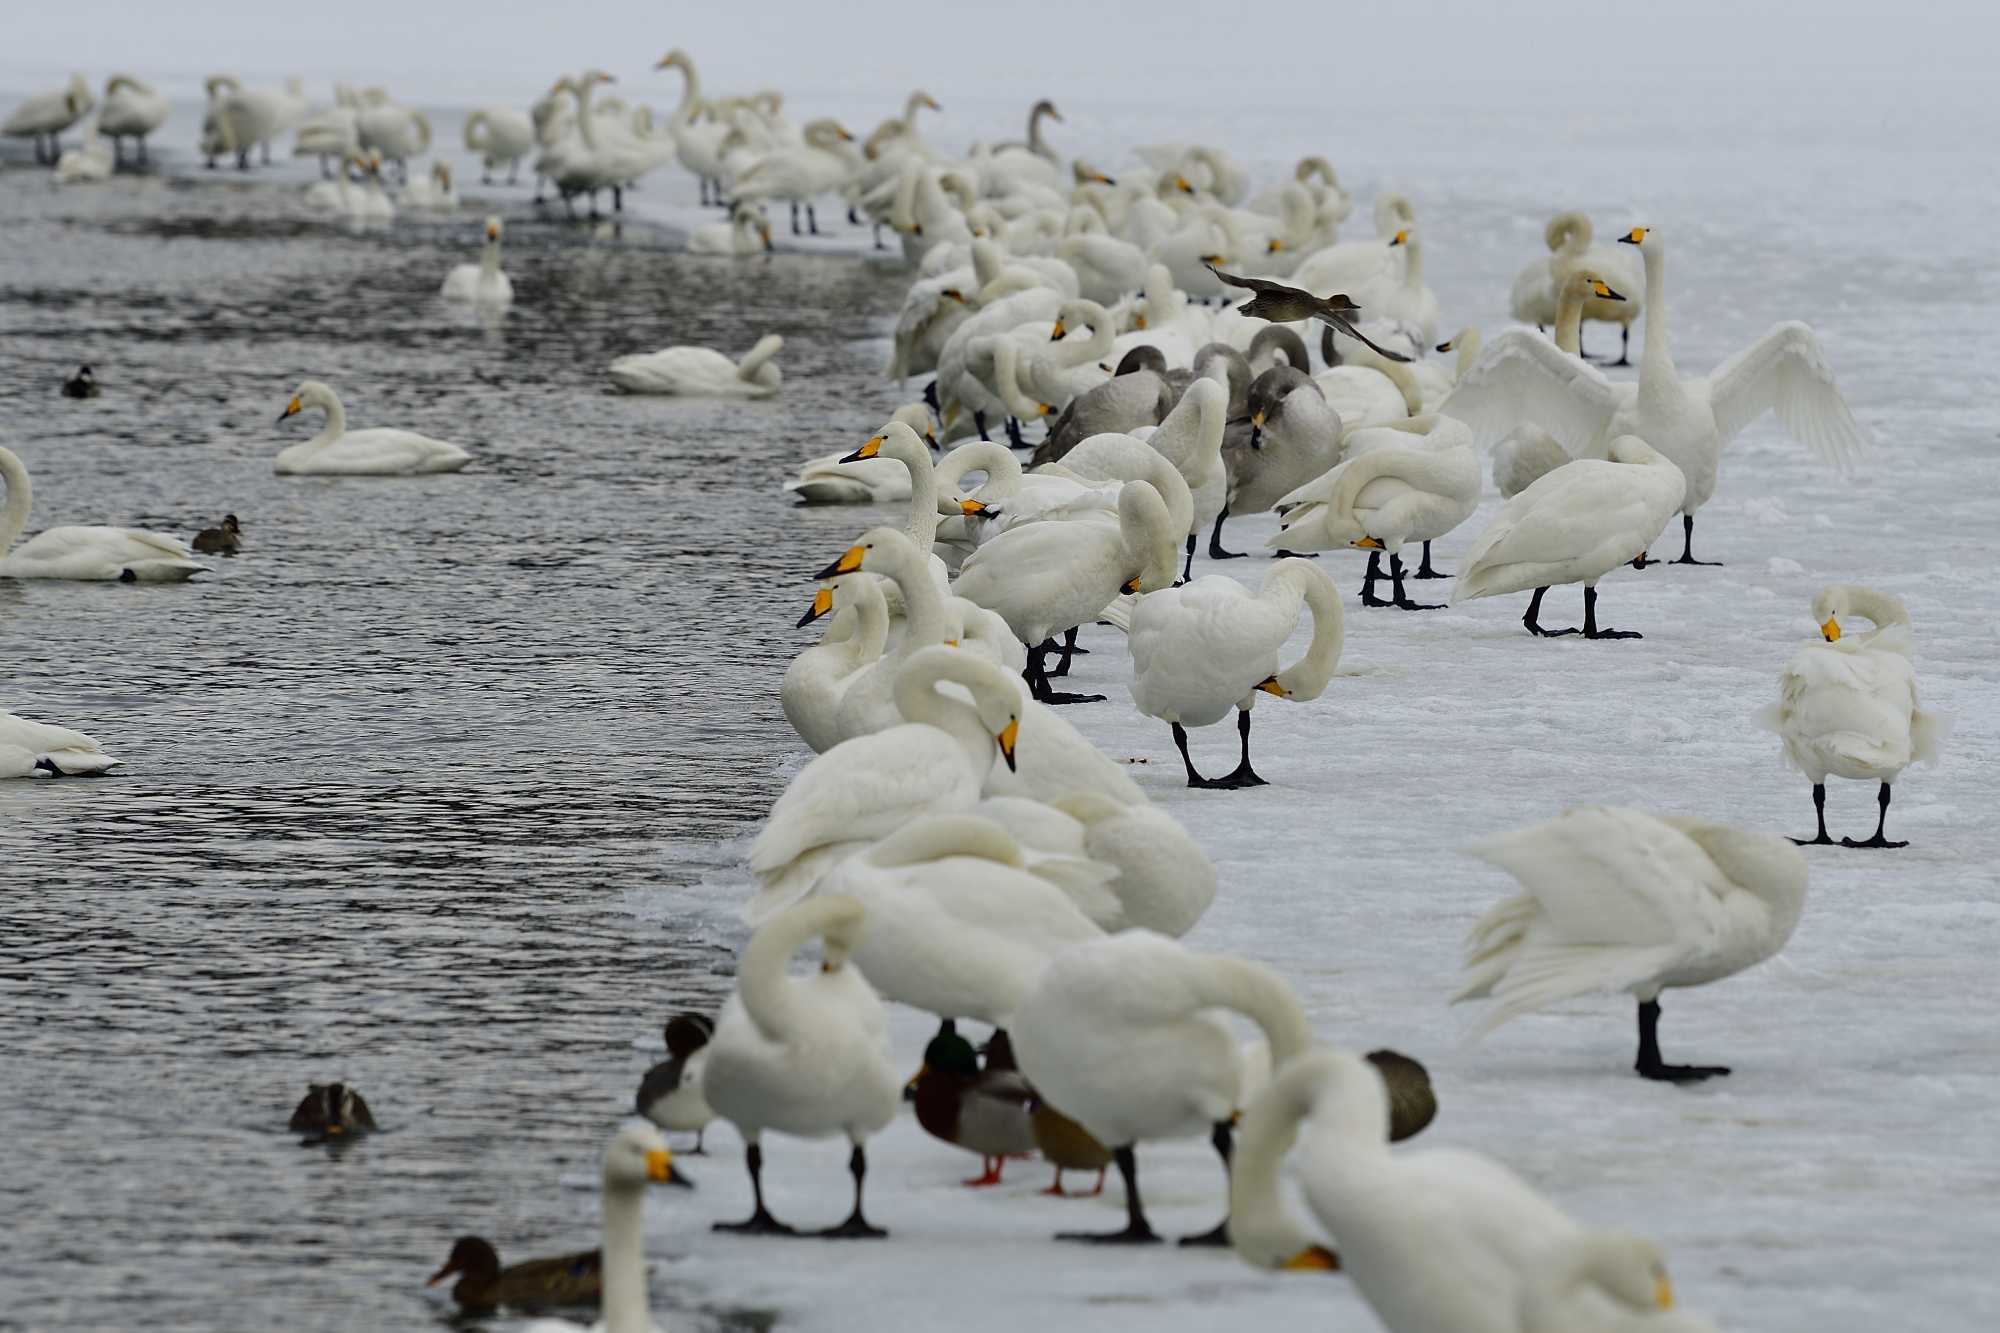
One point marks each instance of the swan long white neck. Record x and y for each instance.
(1258, 1219)
(489, 259)
(870, 633)
(996, 460)
(770, 997)
(1081, 351)
(584, 117)
(624, 1261)
(903, 561)
(1413, 263)
(20, 497)
(902, 444)
(1259, 994)
(336, 419)
(919, 700)
(1308, 677)
(1569, 318)
(1659, 359)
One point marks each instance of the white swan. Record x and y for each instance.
(638, 1156)
(341, 193)
(745, 233)
(1687, 420)
(869, 700)
(820, 163)
(1212, 645)
(398, 133)
(131, 110)
(1621, 900)
(1401, 300)
(1574, 525)
(1537, 294)
(247, 120)
(864, 789)
(1529, 452)
(1847, 703)
(1416, 483)
(482, 283)
(89, 162)
(861, 476)
(1352, 264)
(16, 762)
(1604, 1282)
(1048, 577)
(699, 372)
(807, 1056)
(1434, 1239)
(55, 749)
(88, 554)
(816, 679)
(45, 116)
(501, 136)
(434, 193)
(1120, 1035)
(1165, 881)
(380, 452)
(1191, 439)
(956, 925)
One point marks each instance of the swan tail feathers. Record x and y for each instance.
(1928, 732)
(1539, 975)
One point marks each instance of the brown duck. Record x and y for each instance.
(484, 1286)
(226, 538)
(331, 1111)
(1282, 305)
(983, 1111)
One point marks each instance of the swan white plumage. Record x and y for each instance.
(817, 677)
(483, 283)
(1206, 647)
(89, 162)
(1688, 420)
(1536, 298)
(843, 478)
(16, 762)
(67, 752)
(246, 120)
(1352, 264)
(501, 136)
(864, 789)
(131, 110)
(820, 163)
(46, 115)
(1620, 900)
(955, 923)
(1434, 1239)
(85, 554)
(433, 193)
(1604, 1282)
(807, 1056)
(379, 452)
(638, 1156)
(870, 699)
(1847, 703)
(398, 133)
(700, 372)
(1165, 881)
(1121, 1035)
(745, 233)
(1574, 525)
(1529, 451)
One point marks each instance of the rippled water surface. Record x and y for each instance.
(389, 773)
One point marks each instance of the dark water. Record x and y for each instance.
(393, 775)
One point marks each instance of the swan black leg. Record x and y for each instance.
(1037, 676)
(618, 199)
(795, 217)
(1136, 1231)
(931, 398)
(1624, 346)
(853, 218)
(1014, 437)
(1244, 776)
(1424, 570)
(1215, 551)
(812, 219)
(1819, 809)
(1649, 1063)
(1590, 629)
(1687, 548)
(1368, 577)
(1225, 1146)
(1402, 600)
(1282, 554)
(760, 1222)
(1532, 619)
(1882, 805)
(856, 1226)
(1069, 650)
(1187, 567)
(978, 421)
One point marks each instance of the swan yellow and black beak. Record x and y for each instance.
(1056, 333)
(660, 1167)
(492, 231)
(821, 604)
(1636, 236)
(1401, 238)
(850, 560)
(1831, 629)
(1602, 290)
(976, 509)
(1313, 1258)
(872, 447)
(1181, 184)
(954, 294)
(1274, 246)
(1444, 347)
(1663, 1290)
(292, 409)
(930, 437)
(1270, 685)
(1008, 735)
(1367, 544)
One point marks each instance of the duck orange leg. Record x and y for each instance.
(989, 1174)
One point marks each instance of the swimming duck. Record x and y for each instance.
(83, 384)
(225, 539)
(330, 1111)
(983, 1111)
(670, 1094)
(484, 1286)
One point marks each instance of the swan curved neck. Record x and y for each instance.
(336, 421)
(870, 635)
(923, 604)
(20, 497)
(904, 446)
(996, 460)
(624, 1260)
(489, 261)
(1468, 352)
(770, 997)
(1413, 262)
(1569, 319)
(1308, 677)
(1884, 611)
(584, 117)
(919, 700)
(1256, 992)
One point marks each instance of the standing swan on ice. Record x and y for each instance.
(501, 136)
(1847, 704)
(807, 1056)
(87, 554)
(381, 452)
(482, 283)
(698, 372)
(1620, 900)
(1208, 646)
(131, 110)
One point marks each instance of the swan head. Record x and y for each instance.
(1636, 236)
(675, 59)
(639, 1156)
(822, 604)
(1851, 600)
(918, 418)
(1085, 174)
(1631, 1269)
(493, 227)
(310, 393)
(1585, 283)
(1402, 237)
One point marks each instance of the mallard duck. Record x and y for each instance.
(330, 1110)
(670, 1094)
(83, 384)
(1067, 1146)
(982, 1111)
(224, 539)
(484, 1286)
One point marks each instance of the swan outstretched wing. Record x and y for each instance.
(1522, 376)
(1786, 371)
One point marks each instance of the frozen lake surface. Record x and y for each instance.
(443, 785)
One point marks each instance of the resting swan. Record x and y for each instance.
(1604, 1281)
(53, 749)
(85, 554)
(1847, 703)
(1574, 525)
(817, 677)
(1621, 900)
(1687, 420)
(841, 478)
(1203, 648)
(380, 452)
(482, 283)
(807, 1056)
(698, 372)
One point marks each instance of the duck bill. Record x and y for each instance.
(450, 1267)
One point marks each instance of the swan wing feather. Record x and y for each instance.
(1786, 372)
(1523, 377)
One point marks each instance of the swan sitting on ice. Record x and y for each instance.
(483, 282)
(381, 452)
(87, 163)
(1847, 703)
(699, 372)
(53, 749)
(1620, 900)
(90, 554)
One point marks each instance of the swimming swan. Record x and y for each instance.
(1620, 900)
(698, 372)
(52, 748)
(86, 554)
(379, 452)
(482, 283)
